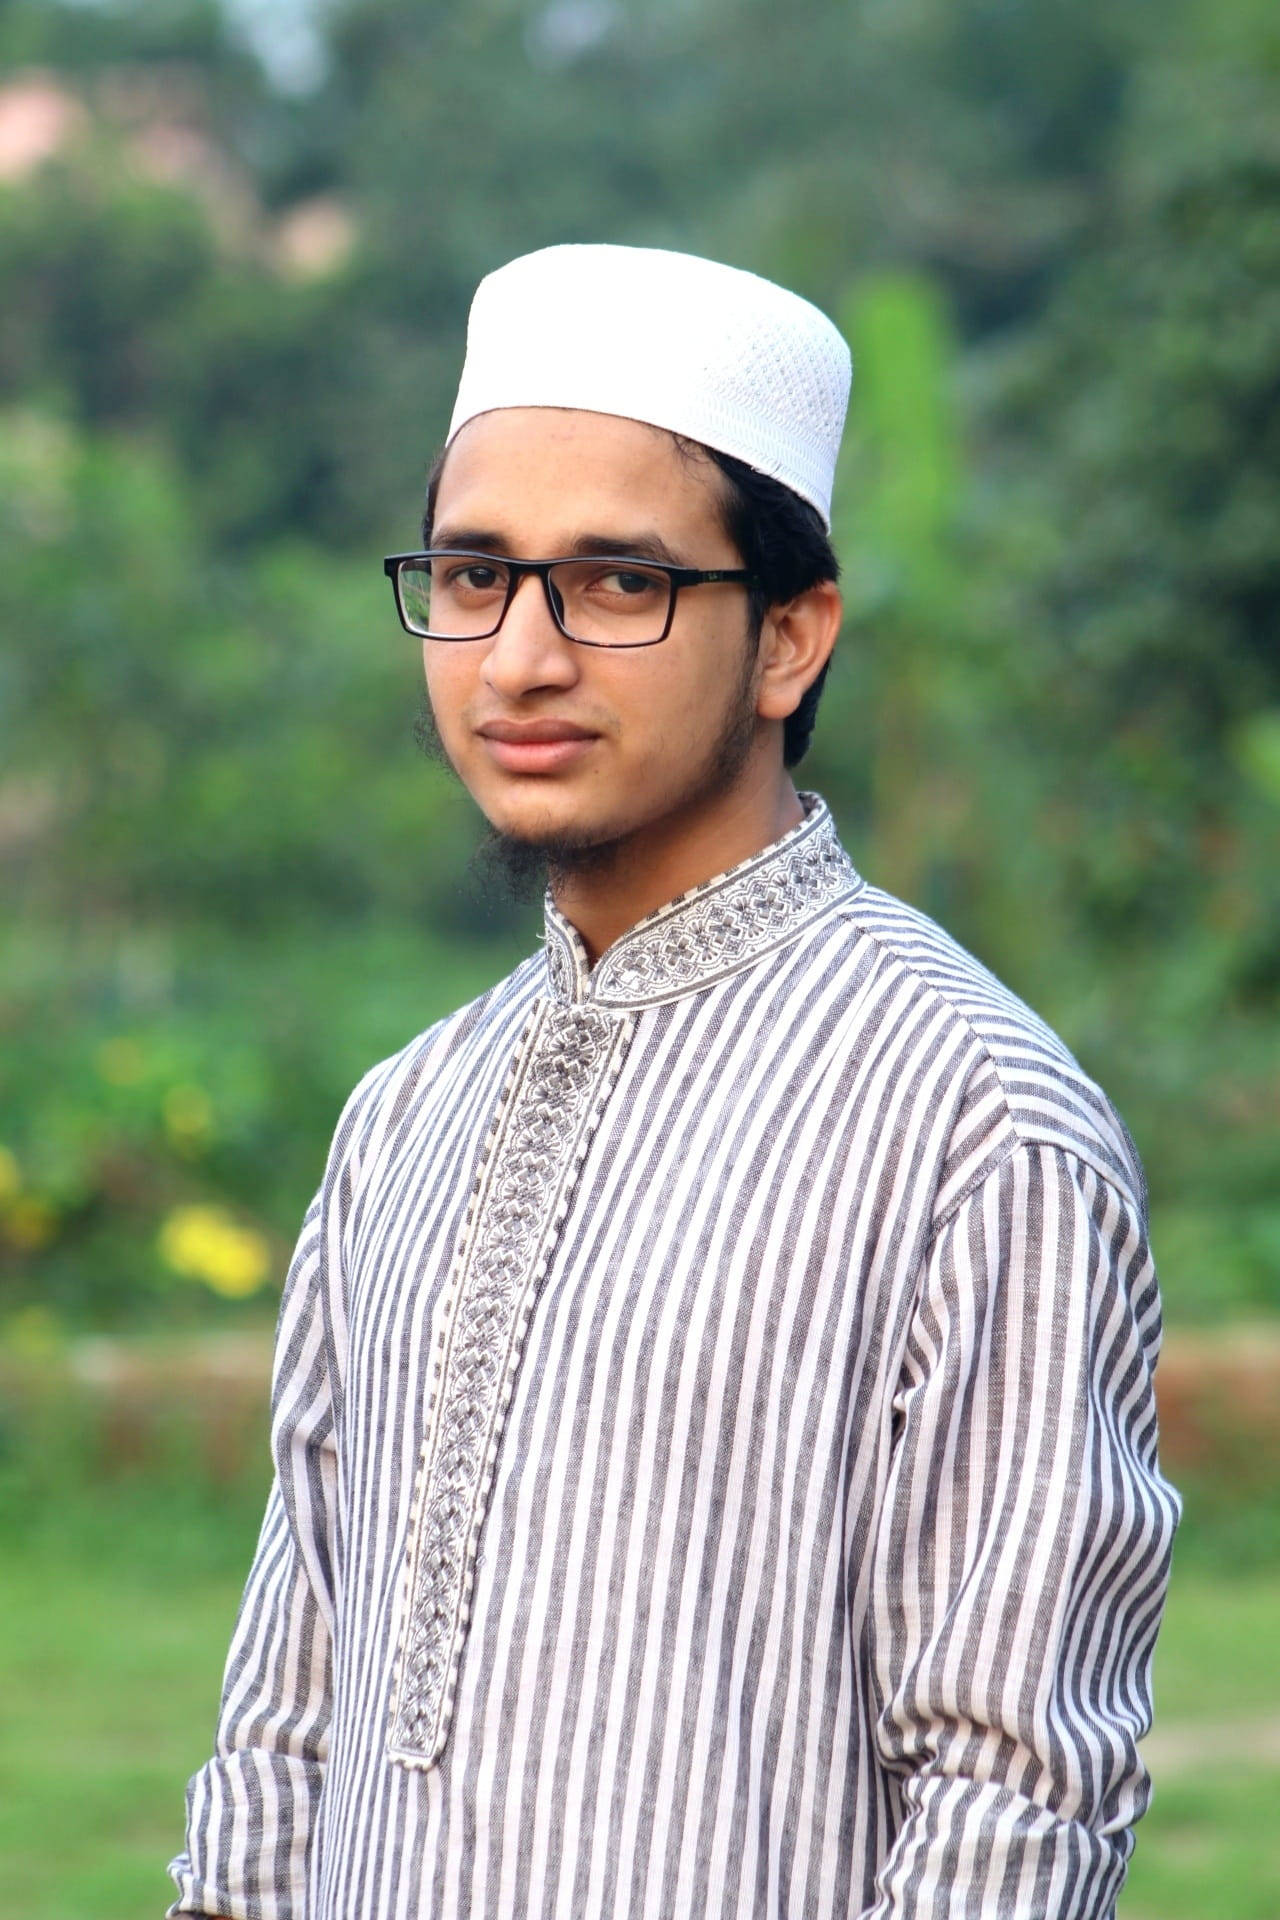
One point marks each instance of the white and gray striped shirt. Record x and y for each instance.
(715, 1448)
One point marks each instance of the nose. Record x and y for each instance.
(529, 651)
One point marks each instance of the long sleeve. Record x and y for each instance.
(251, 1808)
(1023, 1554)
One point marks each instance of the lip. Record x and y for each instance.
(535, 746)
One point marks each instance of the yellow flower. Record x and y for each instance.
(29, 1222)
(188, 1117)
(121, 1062)
(205, 1243)
(26, 1221)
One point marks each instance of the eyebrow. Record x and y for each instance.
(632, 546)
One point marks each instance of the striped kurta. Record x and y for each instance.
(715, 1451)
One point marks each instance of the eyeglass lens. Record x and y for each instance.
(460, 597)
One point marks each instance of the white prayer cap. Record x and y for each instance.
(707, 351)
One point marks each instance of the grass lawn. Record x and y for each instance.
(109, 1679)
(1209, 1849)
(111, 1653)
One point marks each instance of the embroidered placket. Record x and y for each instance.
(545, 1117)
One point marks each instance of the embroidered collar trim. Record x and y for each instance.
(715, 929)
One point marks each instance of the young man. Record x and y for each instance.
(715, 1444)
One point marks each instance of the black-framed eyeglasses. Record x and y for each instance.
(606, 600)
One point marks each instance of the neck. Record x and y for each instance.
(655, 864)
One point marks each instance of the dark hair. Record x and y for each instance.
(782, 542)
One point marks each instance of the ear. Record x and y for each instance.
(796, 640)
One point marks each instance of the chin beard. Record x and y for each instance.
(522, 868)
(519, 869)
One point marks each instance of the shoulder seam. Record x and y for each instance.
(1007, 1153)
(900, 959)
(1021, 1134)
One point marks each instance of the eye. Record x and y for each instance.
(472, 577)
(628, 583)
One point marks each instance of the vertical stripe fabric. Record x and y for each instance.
(715, 1451)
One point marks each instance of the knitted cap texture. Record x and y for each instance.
(707, 351)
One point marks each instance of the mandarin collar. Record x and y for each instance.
(715, 929)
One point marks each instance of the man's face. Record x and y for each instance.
(566, 746)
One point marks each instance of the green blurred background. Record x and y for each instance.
(236, 251)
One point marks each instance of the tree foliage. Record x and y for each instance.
(232, 324)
